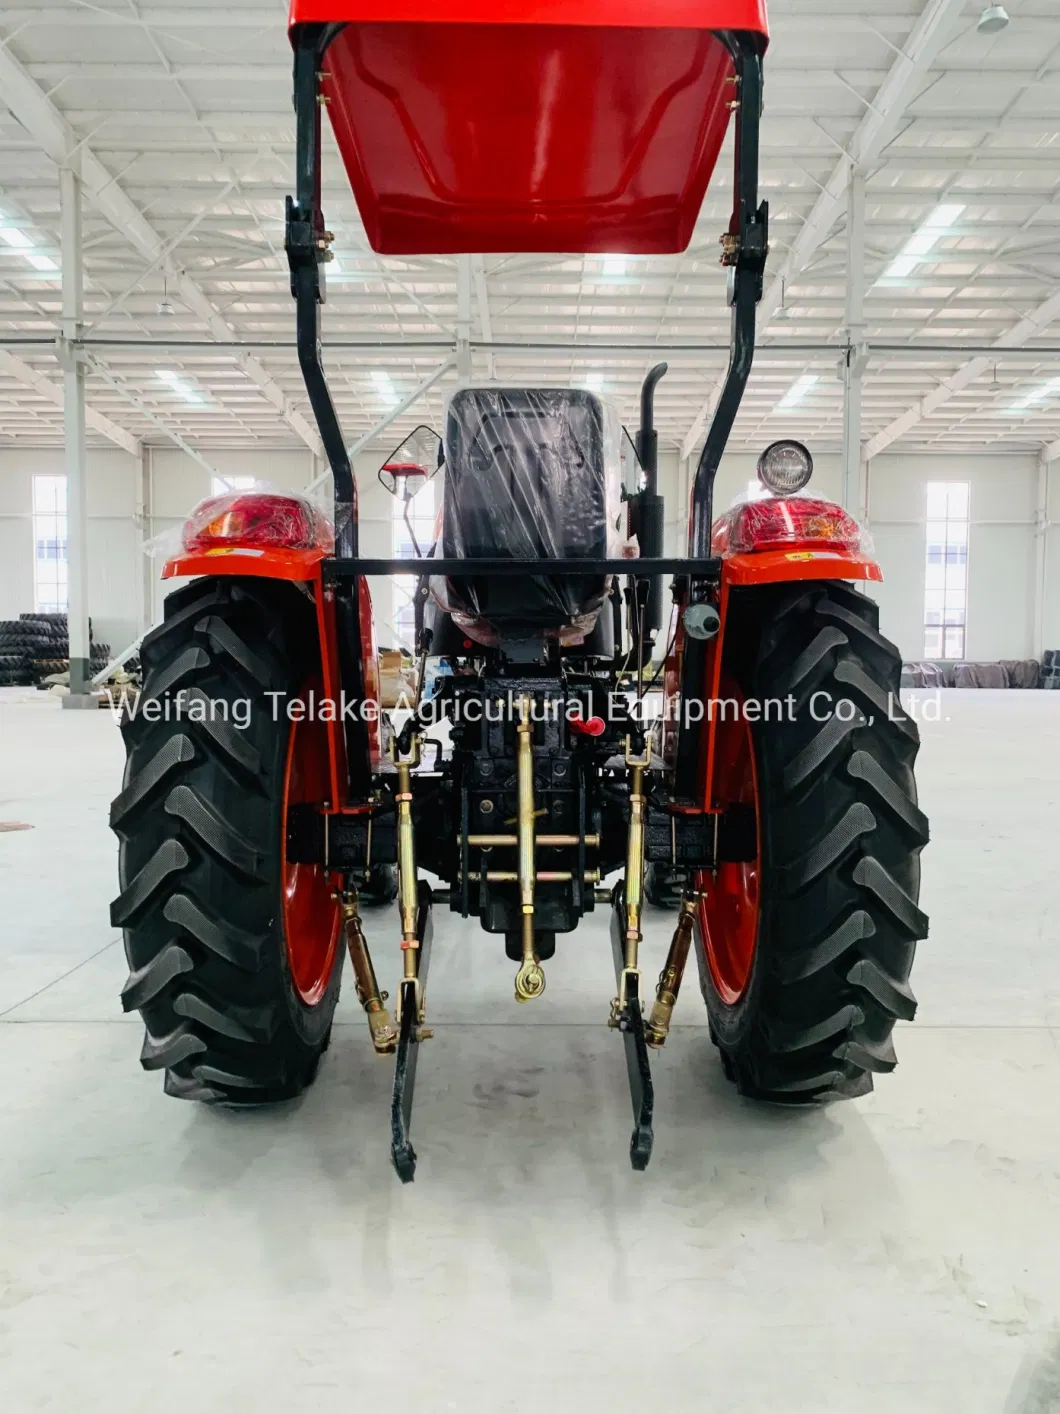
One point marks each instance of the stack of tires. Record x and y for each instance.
(13, 668)
(36, 646)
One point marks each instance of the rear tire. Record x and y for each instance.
(201, 820)
(840, 836)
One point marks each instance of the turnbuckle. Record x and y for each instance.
(634, 882)
(406, 850)
(384, 1036)
(666, 993)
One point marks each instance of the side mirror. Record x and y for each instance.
(411, 465)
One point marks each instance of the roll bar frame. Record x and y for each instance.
(745, 247)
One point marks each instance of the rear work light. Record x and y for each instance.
(257, 521)
(778, 521)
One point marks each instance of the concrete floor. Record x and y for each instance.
(901, 1253)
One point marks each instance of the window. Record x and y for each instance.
(225, 485)
(50, 590)
(946, 577)
(421, 518)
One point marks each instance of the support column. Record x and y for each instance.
(856, 356)
(463, 317)
(1041, 553)
(144, 523)
(74, 417)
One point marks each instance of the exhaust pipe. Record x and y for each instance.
(650, 506)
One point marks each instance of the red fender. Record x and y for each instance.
(306, 567)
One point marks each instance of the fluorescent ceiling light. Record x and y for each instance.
(595, 382)
(1031, 400)
(615, 265)
(17, 239)
(923, 241)
(797, 391)
(943, 217)
(900, 268)
(176, 384)
(384, 387)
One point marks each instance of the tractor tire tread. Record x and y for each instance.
(841, 876)
(199, 819)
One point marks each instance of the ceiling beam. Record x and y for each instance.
(142, 408)
(31, 377)
(1028, 328)
(390, 417)
(875, 131)
(275, 74)
(43, 120)
(190, 18)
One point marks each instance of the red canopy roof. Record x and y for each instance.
(552, 125)
(636, 14)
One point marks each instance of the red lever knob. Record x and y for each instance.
(594, 726)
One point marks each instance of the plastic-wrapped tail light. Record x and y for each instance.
(774, 522)
(257, 520)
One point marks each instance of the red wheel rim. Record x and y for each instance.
(730, 894)
(311, 915)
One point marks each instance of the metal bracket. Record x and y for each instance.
(411, 1035)
(855, 360)
(631, 1024)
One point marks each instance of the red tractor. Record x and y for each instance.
(772, 801)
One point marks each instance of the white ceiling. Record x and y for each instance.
(187, 108)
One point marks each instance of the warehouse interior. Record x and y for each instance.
(900, 1252)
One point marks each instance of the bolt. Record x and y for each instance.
(486, 807)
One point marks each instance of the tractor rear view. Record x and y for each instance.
(769, 797)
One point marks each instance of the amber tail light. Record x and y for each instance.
(257, 521)
(778, 521)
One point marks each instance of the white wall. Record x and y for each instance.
(112, 537)
(1001, 552)
(1001, 549)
